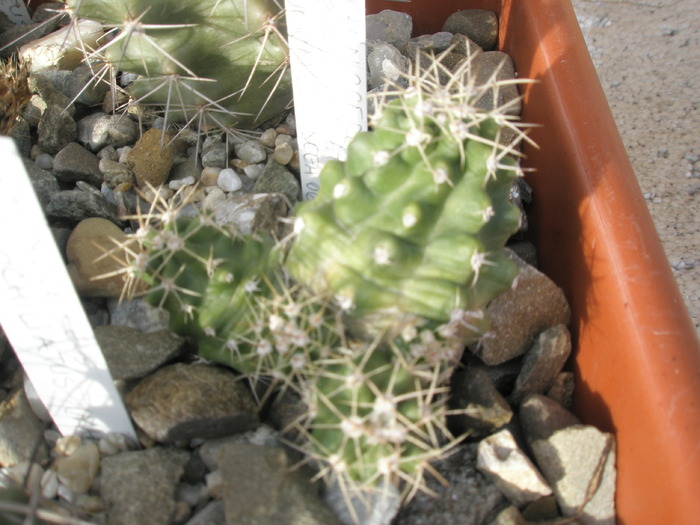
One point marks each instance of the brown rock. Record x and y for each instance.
(520, 314)
(182, 402)
(151, 158)
(88, 266)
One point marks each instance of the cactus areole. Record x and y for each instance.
(215, 63)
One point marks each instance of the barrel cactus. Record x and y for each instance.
(213, 63)
(411, 227)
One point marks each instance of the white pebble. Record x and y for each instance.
(268, 137)
(229, 180)
(253, 171)
(181, 183)
(214, 196)
(123, 153)
(283, 138)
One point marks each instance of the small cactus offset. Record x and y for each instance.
(211, 63)
(411, 227)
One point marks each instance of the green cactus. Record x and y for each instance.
(229, 293)
(214, 63)
(413, 224)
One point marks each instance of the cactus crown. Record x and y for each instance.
(412, 225)
(211, 63)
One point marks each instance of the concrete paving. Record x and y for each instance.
(647, 55)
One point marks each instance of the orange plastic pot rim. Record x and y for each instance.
(637, 357)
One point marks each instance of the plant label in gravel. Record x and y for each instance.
(44, 319)
(329, 78)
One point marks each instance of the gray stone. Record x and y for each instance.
(75, 205)
(263, 436)
(74, 163)
(44, 183)
(385, 64)
(131, 354)
(251, 152)
(275, 178)
(428, 44)
(48, 11)
(108, 153)
(215, 154)
(261, 487)
(44, 161)
(47, 94)
(542, 363)
(532, 305)
(212, 513)
(494, 65)
(249, 213)
(15, 37)
(139, 486)
(84, 86)
(181, 402)
(56, 129)
(480, 25)
(469, 498)
(22, 134)
(391, 27)
(138, 314)
(99, 130)
(508, 467)
(115, 173)
(464, 46)
(479, 408)
(373, 506)
(21, 431)
(577, 460)
(191, 167)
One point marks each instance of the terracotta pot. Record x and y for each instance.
(637, 357)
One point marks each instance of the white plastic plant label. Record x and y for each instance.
(15, 10)
(329, 78)
(43, 318)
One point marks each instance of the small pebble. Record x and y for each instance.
(181, 183)
(268, 137)
(229, 180)
(253, 171)
(209, 176)
(251, 152)
(44, 161)
(283, 153)
(283, 138)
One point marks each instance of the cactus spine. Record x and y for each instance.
(211, 63)
(403, 243)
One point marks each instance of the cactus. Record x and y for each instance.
(212, 63)
(411, 227)
(403, 245)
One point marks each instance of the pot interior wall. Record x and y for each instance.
(637, 357)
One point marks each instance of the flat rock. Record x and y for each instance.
(577, 460)
(74, 163)
(480, 25)
(260, 487)
(498, 66)
(62, 49)
(131, 354)
(183, 402)
(139, 486)
(151, 158)
(21, 431)
(469, 498)
(520, 314)
(88, 264)
(508, 467)
(138, 314)
(75, 205)
(542, 363)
